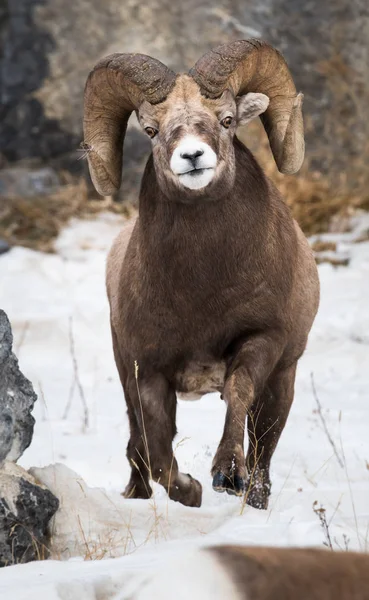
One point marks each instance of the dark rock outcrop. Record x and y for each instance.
(4, 246)
(17, 398)
(26, 507)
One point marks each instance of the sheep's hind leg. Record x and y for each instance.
(155, 406)
(266, 421)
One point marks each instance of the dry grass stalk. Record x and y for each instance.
(321, 513)
(22, 338)
(42, 552)
(76, 382)
(346, 543)
(359, 537)
(341, 461)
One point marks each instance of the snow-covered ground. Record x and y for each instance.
(58, 309)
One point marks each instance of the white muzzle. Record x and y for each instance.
(194, 162)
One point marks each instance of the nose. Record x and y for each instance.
(192, 156)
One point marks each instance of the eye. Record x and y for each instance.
(151, 132)
(226, 122)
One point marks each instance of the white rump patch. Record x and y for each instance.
(198, 576)
(194, 172)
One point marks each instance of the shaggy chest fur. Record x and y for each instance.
(198, 283)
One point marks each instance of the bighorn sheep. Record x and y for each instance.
(241, 573)
(214, 287)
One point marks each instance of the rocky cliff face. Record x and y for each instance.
(49, 46)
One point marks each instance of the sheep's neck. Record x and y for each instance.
(249, 189)
(210, 239)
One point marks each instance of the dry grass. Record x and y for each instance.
(76, 384)
(36, 222)
(323, 421)
(40, 550)
(320, 511)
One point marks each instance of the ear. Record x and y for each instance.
(250, 106)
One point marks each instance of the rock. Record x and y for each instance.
(26, 508)
(4, 246)
(23, 182)
(17, 398)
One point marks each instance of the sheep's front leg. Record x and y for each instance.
(155, 406)
(265, 424)
(245, 380)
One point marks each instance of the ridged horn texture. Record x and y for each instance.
(255, 66)
(115, 87)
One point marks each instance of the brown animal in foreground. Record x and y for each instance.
(214, 286)
(241, 573)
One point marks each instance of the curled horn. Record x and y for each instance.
(254, 66)
(115, 87)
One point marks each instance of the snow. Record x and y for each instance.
(197, 575)
(58, 309)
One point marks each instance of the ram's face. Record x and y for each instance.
(192, 139)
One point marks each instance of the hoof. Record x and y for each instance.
(187, 491)
(137, 490)
(234, 486)
(258, 491)
(219, 483)
(257, 500)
